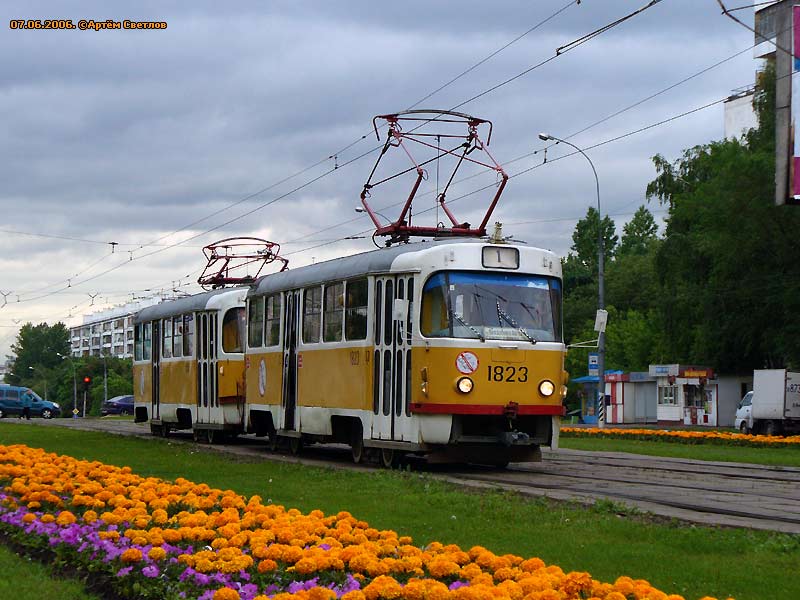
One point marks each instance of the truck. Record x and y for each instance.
(773, 407)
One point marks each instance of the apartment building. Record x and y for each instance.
(108, 332)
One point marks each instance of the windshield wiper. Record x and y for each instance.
(470, 327)
(502, 314)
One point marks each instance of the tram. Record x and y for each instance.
(452, 349)
(188, 368)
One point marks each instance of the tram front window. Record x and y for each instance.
(493, 306)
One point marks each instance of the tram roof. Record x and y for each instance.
(180, 305)
(348, 267)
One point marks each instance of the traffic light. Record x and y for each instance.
(87, 381)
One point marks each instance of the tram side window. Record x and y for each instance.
(355, 316)
(177, 337)
(146, 341)
(312, 309)
(188, 335)
(334, 312)
(137, 342)
(255, 323)
(233, 328)
(273, 321)
(166, 346)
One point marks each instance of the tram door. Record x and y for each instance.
(207, 397)
(290, 329)
(155, 400)
(392, 358)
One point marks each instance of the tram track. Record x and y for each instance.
(709, 493)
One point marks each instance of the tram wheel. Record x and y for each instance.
(387, 457)
(295, 445)
(274, 441)
(197, 435)
(164, 430)
(357, 449)
(211, 436)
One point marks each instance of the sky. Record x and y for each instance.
(255, 119)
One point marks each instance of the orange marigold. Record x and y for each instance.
(131, 555)
(157, 553)
(226, 593)
(267, 565)
(65, 518)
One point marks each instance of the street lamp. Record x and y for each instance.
(601, 336)
(361, 209)
(45, 383)
(74, 384)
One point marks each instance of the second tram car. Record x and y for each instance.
(188, 369)
(452, 349)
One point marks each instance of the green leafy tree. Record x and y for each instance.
(38, 346)
(638, 234)
(580, 272)
(728, 269)
(586, 236)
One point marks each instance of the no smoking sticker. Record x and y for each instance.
(467, 363)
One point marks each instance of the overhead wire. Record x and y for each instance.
(298, 173)
(336, 153)
(550, 161)
(310, 182)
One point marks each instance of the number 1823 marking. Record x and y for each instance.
(509, 373)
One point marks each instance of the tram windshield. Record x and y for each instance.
(494, 306)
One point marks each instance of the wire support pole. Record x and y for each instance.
(601, 301)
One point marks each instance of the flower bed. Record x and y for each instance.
(141, 537)
(691, 437)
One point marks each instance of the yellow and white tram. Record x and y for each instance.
(188, 369)
(449, 348)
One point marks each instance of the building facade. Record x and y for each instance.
(108, 332)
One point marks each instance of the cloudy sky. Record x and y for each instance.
(222, 125)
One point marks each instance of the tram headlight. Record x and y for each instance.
(464, 385)
(546, 388)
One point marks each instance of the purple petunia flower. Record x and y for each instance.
(151, 571)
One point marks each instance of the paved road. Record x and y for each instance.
(711, 493)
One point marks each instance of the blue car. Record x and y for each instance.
(118, 405)
(15, 399)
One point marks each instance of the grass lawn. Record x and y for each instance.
(779, 456)
(25, 579)
(677, 558)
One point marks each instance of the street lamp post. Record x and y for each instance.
(361, 209)
(601, 303)
(74, 384)
(45, 383)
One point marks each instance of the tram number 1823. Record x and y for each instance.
(507, 373)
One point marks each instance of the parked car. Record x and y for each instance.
(118, 405)
(14, 399)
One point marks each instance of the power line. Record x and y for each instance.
(334, 155)
(304, 185)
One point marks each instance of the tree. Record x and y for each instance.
(638, 234)
(728, 269)
(580, 272)
(38, 346)
(585, 238)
